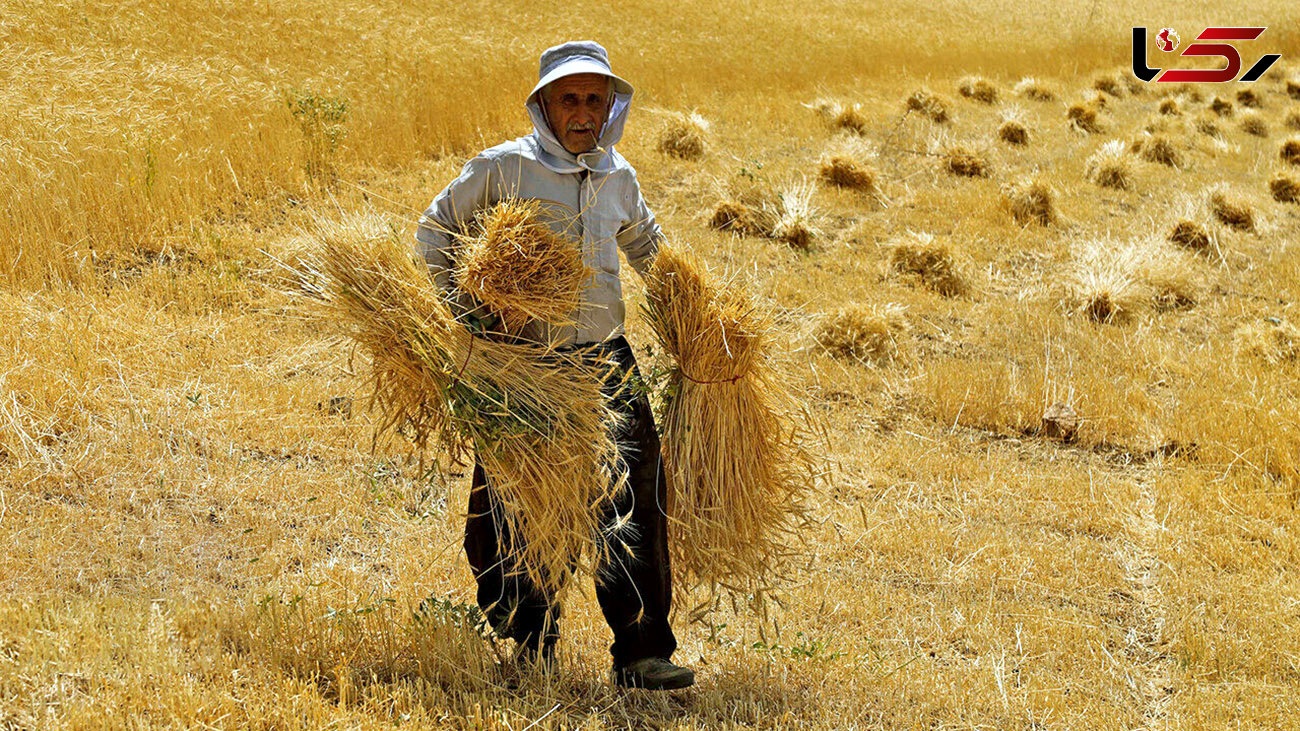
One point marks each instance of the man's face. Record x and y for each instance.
(576, 107)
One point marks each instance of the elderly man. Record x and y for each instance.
(569, 165)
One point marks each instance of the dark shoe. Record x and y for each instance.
(653, 673)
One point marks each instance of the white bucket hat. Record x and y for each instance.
(576, 57)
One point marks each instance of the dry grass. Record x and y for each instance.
(536, 421)
(1110, 166)
(1272, 341)
(1253, 123)
(932, 261)
(1159, 149)
(737, 455)
(1031, 201)
(930, 105)
(1289, 152)
(1284, 188)
(683, 136)
(1083, 117)
(514, 262)
(978, 88)
(1034, 90)
(870, 334)
(1231, 209)
(964, 162)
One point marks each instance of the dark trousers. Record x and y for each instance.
(634, 591)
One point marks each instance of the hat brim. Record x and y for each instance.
(581, 66)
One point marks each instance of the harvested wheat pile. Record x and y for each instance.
(933, 262)
(1013, 130)
(1292, 120)
(979, 89)
(1290, 151)
(518, 266)
(1248, 98)
(1158, 149)
(735, 440)
(1190, 235)
(842, 116)
(1030, 201)
(867, 333)
(1108, 84)
(1171, 107)
(1252, 123)
(1284, 188)
(1222, 107)
(1231, 210)
(792, 217)
(1102, 283)
(1110, 167)
(933, 106)
(1293, 88)
(737, 217)
(1273, 341)
(845, 171)
(1083, 117)
(1208, 126)
(536, 420)
(1034, 90)
(964, 162)
(1111, 283)
(683, 136)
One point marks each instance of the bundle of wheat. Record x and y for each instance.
(1248, 98)
(515, 263)
(683, 136)
(1290, 151)
(978, 88)
(1285, 189)
(845, 171)
(1253, 123)
(964, 162)
(1034, 90)
(1109, 166)
(1157, 148)
(1230, 209)
(865, 333)
(933, 262)
(536, 419)
(735, 442)
(929, 104)
(1083, 117)
(841, 116)
(1030, 201)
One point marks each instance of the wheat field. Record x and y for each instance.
(202, 529)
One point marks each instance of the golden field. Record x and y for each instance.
(202, 530)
